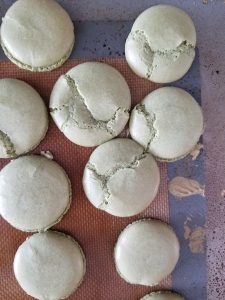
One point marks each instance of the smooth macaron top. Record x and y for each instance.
(161, 44)
(90, 104)
(146, 252)
(23, 118)
(120, 178)
(35, 193)
(167, 123)
(49, 265)
(37, 34)
(162, 295)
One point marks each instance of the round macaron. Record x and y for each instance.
(161, 44)
(35, 193)
(23, 118)
(164, 295)
(37, 35)
(167, 123)
(146, 252)
(90, 104)
(120, 178)
(49, 265)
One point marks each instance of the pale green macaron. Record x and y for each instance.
(37, 35)
(168, 123)
(23, 118)
(90, 103)
(162, 295)
(161, 44)
(35, 193)
(120, 178)
(49, 265)
(146, 252)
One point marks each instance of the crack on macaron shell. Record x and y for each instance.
(77, 107)
(22, 65)
(150, 118)
(7, 144)
(150, 121)
(104, 178)
(147, 55)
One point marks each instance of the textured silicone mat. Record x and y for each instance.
(95, 230)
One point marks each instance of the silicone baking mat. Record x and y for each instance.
(95, 230)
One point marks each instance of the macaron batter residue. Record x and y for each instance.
(184, 187)
(195, 237)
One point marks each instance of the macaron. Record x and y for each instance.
(90, 103)
(49, 265)
(120, 178)
(35, 193)
(146, 252)
(164, 295)
(37, 35)
(23, 118)
(167, 123)
(161, 44)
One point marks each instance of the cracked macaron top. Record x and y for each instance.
(49, 266)
(121, 178)
(35, 193)
(146, 252)
(162, 295)
(90, 103)
(37, 35)
(167, 123)
(161, 44)
(23, 118)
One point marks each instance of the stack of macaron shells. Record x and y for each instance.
(90, 105)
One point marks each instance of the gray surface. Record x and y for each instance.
(125, 9)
